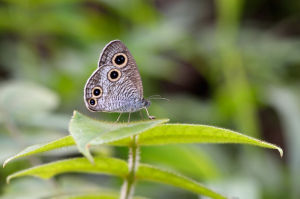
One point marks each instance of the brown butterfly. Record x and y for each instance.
(116, 85)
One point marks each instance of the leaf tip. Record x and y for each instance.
(8, 179)
(5, 162)
(91, 159)
(88, 155)
(280, 151)
(74, 113)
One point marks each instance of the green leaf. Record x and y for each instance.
(190, 133)
(113, 166)
(149, 173)
(103, 165)
(86, 131)
(39, 148)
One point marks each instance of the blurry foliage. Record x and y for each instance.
(219, 62)
(86, 132)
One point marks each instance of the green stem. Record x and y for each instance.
(127, 189)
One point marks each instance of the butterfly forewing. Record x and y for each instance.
(110, 50)
(107, 57)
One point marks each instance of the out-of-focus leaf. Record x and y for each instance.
(101, 165)
(28, 188)
(87, 131)
(149, 173)
(187, 108)
(39, 148)
(258, 49)
(23, 99)
(200, 165)
(8, 146)
(136, 11)
(285, 100)
(46, 120)
(66, 187)
(235, 187)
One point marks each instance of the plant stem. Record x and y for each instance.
(127, 189)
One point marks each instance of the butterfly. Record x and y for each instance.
(116, 85)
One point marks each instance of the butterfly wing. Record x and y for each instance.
(116, 85)
(110, 53)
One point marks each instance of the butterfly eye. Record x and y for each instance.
(114, 75)
(92, 102)
(119, 60)
(97, 91)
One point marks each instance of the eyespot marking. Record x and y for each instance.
(97, 92)
(120, 60)
(114, 75)
(92, 102)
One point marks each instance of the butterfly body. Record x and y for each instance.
(116, 85)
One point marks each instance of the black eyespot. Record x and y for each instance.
(97, 92)
(120, 59)
(114, 74)
(92, 102)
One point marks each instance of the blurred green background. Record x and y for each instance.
(229, 63)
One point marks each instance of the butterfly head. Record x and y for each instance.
(146, 102)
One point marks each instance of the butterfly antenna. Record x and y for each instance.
(154, 96)
(158, 97)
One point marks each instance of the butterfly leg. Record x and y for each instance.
(129, 117)
(118, 118)
(149, 116)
